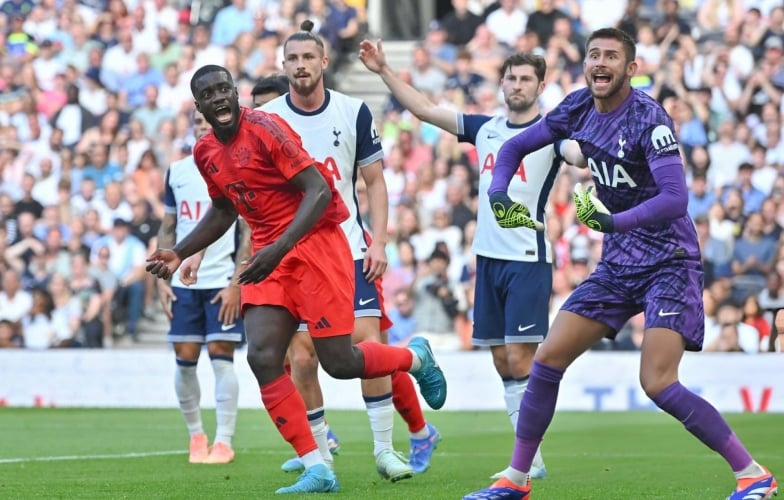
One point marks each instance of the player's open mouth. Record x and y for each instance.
(601, 79)
(223, 114)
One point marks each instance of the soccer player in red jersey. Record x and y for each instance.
(301, 268)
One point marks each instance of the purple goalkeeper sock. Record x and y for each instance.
(701, 419)
(536, 413)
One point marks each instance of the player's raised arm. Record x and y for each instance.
(374, 59)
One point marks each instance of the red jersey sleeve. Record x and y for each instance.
(201, 158)
(283, 145)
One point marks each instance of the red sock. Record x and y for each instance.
(287, 410)
(406, 401)
(382, 359)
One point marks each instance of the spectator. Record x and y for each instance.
(28, 203)
(752, 197)
(425, 75)
(101, 169)
(15, 303)
(436, 305)
(73, 118)
(463, 77)
(460, 23)
(66, 313)
(21, 251)
(752, 259)
(230, 22)
(9, 335)
(508, 22)
(753, 315)
(401, 315)
(133, 88)
(700, 198)
(112, 207)
(38, 326)
(488, 53)
(91, 300)
(126, 262)
(730, 334)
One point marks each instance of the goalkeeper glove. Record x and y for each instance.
(591, 211)
(510, 214)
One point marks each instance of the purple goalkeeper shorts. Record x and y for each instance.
(670, 295)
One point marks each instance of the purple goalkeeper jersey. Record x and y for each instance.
(633, 155)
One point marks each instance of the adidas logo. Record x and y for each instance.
(323, 323)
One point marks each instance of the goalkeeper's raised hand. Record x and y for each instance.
(591, 211)
(511, 214)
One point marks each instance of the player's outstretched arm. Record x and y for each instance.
(317, 197)
(372, 56)
(216, 221)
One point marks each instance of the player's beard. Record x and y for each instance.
(306, 87)
(610, 91)
(519, 105)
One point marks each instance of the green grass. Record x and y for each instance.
(74, 453)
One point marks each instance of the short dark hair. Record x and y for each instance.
(305, 33)
(525, 59)
(629, 46)
(275, 83)
(205, 70)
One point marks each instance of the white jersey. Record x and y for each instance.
(530, 186)
(186, 196)
(342, 136)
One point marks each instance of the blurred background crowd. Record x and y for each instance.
(95, 104)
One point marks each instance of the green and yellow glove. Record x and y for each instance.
(591, 211)
(511, 214)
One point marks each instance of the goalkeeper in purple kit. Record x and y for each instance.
(650, 260)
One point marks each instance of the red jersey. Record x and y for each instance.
(253, 171)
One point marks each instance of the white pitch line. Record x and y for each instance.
(91, 457)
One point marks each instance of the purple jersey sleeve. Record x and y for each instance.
(512, 152)
(670, 203)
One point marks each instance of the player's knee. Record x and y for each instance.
(303, 361)
(260, 356)
(653, 383)
(340, 368)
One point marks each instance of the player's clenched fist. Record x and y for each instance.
(591, 211)
(162, 263)
(511, 214)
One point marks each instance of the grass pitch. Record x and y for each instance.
(75, 453)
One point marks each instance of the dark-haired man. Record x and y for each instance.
(254, 166)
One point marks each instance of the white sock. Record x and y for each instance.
(752, 470)
(513, 396)
(422, 433)
(381, 413)
(227, 393)
(318, 427)
(186, 386)
(311, 458)
(416, 363)
(517, 477)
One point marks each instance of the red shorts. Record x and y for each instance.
(314, 282)
(386, 323)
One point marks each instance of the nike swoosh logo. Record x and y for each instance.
(179, 186)
(663, 314)
(228, 327)
(492, 136)
(362, 302)
(521, 328)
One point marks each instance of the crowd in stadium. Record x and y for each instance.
(95, 104)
